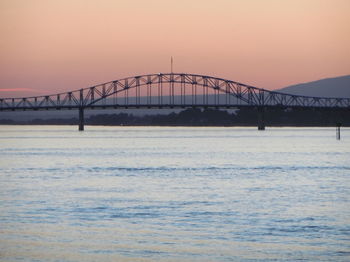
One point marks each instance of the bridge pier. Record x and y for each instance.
(81, 119)
(261, 118)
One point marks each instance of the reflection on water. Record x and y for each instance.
(174, 194)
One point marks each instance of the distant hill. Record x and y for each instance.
(329, 87)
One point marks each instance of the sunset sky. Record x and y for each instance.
(49, 46)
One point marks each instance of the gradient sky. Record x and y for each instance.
(49, 46)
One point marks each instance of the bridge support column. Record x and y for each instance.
(81, 119)
(261, 118)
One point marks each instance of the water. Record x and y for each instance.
(174, 194)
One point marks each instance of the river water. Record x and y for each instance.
(174, 194)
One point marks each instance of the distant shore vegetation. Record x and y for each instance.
(206, 117)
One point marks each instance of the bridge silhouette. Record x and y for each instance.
(171, 90)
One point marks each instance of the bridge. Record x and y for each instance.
(170, 90)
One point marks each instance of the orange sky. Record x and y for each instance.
(47, 46)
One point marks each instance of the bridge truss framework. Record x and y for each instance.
(170, 90)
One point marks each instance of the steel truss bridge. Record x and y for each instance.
(170, 90)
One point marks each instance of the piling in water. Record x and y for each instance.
(338, 131)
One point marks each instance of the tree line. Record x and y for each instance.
(209, 117)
